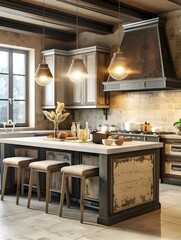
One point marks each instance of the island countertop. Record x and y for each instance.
(88, 147)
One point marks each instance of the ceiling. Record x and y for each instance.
(58, 17)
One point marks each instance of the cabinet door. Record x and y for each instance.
(78, 92)
(57, 89)
(48, 100)
(91, 83)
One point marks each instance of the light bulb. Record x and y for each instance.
(118, 66)
(77, 71)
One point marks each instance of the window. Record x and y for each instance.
(13, 86)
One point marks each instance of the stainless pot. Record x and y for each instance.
(131, 126)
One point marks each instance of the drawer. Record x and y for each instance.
(173, 149)
(173, 168)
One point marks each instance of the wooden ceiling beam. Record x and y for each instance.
(64, 19)
(110, 8)
(27, 27)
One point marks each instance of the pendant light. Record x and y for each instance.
(118, 65)
(43, 74)
(77, 71)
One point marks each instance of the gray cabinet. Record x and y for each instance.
(56, 90)
(87, 94)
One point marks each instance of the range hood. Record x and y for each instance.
(149, 58)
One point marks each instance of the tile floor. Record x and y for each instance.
(20, 223)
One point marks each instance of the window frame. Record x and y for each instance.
(10, 83)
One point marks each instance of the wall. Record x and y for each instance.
(33, 42)
(161, 108)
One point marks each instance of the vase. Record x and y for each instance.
(55, 134)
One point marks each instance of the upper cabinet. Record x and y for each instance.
(86, 94)
(56, 90)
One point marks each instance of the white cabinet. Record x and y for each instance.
(87, 94)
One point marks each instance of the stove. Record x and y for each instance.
(141, 135)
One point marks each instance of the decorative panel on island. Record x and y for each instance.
(132, 181)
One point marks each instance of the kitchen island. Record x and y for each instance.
(128, 174)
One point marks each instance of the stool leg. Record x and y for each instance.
(4, 181)
(18, 184)
(62, 193)
(67, 192)
(22, 180)
(38, 186)
(30, 187)
(82, 193)
(48, 177)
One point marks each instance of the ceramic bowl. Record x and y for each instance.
(119, 141)
(107, 141)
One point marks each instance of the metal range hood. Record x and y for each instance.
(149, 58)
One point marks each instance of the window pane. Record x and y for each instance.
(19, 87)
(18, 63)
(19, 111)
(4, 62)
(4, 111)
(3, 86)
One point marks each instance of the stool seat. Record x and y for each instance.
(18, 160)
(19, 163)
(81, 171)
(48, 167)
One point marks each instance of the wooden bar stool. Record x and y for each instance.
(77, 171)
(48, 167)
(19, 163)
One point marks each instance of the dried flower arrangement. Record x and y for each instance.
(57, 116)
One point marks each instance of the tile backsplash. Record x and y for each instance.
(161, 108)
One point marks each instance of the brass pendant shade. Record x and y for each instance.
(43, 75)
(118, 66)
(77, 71)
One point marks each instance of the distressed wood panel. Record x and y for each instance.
(132, 181)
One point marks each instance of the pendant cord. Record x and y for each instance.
(119, 24)
(77, 27)
(43, 37)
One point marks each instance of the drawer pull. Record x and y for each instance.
(175, 149)
(176, 167)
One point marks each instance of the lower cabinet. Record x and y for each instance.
(171, 161)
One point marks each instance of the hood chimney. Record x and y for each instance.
(149, 58)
